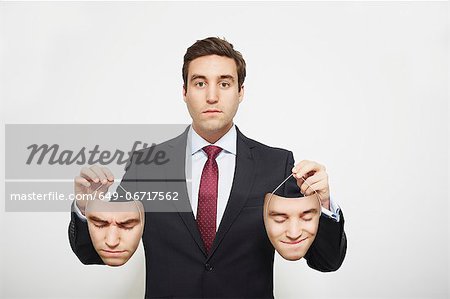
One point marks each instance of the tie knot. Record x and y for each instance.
(212, 151)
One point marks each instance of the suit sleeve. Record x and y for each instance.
(80, 241)
(329, 248)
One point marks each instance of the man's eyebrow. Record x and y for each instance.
(97, 219)
(310, 211)
(227, 77)
(129, 221)
(195, 76)
(221, 77)
(275, 213)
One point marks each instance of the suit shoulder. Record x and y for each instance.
(179, 140)
(160, 150)
(266, 148)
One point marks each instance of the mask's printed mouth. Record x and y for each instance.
(294, 242)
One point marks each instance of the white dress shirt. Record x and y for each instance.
(226, 162)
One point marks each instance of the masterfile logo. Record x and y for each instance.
(42, 161)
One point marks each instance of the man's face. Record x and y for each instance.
(212, 94)
(115, 229)
(291, 224)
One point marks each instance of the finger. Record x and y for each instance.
(320, 187)
(312, 180)
(309, 169)
(80, 181)
(303, 168)
(300, 165)
(108, 174)
(306, 188)
(100, 174)
(88, 174)
(317, 176)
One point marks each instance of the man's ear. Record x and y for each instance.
(241, 94)
(184, 93)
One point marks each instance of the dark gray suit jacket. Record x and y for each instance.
(240, 264)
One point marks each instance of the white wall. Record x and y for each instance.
(360, 87)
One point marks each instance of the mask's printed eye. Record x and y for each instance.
(127, 227)
(279, 219)
(308, 215)
(100, 225)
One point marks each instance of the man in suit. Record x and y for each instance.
(218, 247)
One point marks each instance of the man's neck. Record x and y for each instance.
(212, 136)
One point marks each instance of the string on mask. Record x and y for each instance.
(319, 198)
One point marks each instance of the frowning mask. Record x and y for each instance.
(115, 229)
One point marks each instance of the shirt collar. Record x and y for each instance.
(227, 142)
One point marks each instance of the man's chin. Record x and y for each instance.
(114, 262)
(215, 126)
(293, 252)
(292, 256)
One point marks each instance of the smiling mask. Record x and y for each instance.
(291, 223)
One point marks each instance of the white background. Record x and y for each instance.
(359, 87)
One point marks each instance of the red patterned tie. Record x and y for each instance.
(207, 197)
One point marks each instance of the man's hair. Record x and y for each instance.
(213, 46)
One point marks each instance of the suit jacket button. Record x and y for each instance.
(208, 267)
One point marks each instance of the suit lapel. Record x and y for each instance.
(184, 208)
(242, 183)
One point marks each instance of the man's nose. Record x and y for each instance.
(112, 238)
(212, 95)
(294, 230)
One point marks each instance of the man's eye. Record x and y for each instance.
(225, 84)
(99, 225)
(307, 219)
(129, 227)
(279, 219)
(200, 84)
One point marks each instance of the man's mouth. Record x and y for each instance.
(112, 253)
(294, 242)
(212, 111)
